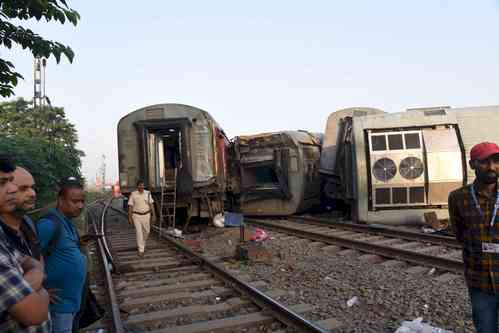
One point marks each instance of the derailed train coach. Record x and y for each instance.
(155, 140)
(276, 173)
(393, 167)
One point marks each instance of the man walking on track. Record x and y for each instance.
(473, 215)
(140, 211)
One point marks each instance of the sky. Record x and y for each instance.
(259, 66)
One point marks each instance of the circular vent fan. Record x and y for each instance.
(384, 169)
(411, 168)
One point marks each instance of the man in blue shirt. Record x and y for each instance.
(66, 266)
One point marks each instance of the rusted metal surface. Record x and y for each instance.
(451, 265)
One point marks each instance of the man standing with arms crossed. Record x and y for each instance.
(23, 300)
(140, 211)
(473, 211)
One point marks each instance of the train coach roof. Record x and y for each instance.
(165, 111)
(299, 136)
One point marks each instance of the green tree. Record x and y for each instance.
(43, 141)
(11, 34)
(18, 118)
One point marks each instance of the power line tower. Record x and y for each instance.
(102, 171)
(39, 97)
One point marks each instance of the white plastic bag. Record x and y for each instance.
(417, 326)
(219, 220)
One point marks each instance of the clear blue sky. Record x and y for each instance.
(265, 65)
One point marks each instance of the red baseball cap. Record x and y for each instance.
(483, 150)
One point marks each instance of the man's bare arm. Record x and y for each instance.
(32, 309)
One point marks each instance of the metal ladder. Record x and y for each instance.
(168, 200)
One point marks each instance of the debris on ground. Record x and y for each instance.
(259, 235)
(417, 326)
(352, 301)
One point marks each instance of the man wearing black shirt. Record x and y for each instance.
(23, 300)
(17, 226)
(20, 230)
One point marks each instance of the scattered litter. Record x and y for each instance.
(230, 242)
(174, 232)
(218, 298)
(233, 219)
(432, 271)
(352, 301)
(259, 235)
(427, 230)
(417, 326)
(219, 220)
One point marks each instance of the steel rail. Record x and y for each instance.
(106, 264)
(103, 231)
(278, 311)
(382, 231)
(385, 251)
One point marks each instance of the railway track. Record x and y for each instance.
(173, 289)
(440, 252)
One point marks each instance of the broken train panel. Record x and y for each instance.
(276, 173)
(156, 139)
(394, 167)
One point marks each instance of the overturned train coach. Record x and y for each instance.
(275, 173)
(393, 167)
(155, 140)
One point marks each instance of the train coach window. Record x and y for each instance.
(265, 175)
(395, 141)
(412, 141)
(378, 142)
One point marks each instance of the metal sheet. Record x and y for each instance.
(445, 166)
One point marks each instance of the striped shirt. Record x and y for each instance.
(481, 269)
(13, 288)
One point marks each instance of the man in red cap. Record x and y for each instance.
(473, 211)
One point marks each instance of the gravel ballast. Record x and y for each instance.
(387, 294)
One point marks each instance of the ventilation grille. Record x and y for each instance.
(402, 196)
(411, 167)
(384, 169)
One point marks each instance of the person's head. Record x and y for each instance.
(140, 186)
(484, 159)
(71, 197)
(26, 195)
(8, 189)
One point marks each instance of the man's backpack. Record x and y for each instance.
(52, 244)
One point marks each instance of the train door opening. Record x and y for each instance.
(265, 176)
(169, 147)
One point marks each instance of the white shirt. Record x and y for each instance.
(140, 201)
